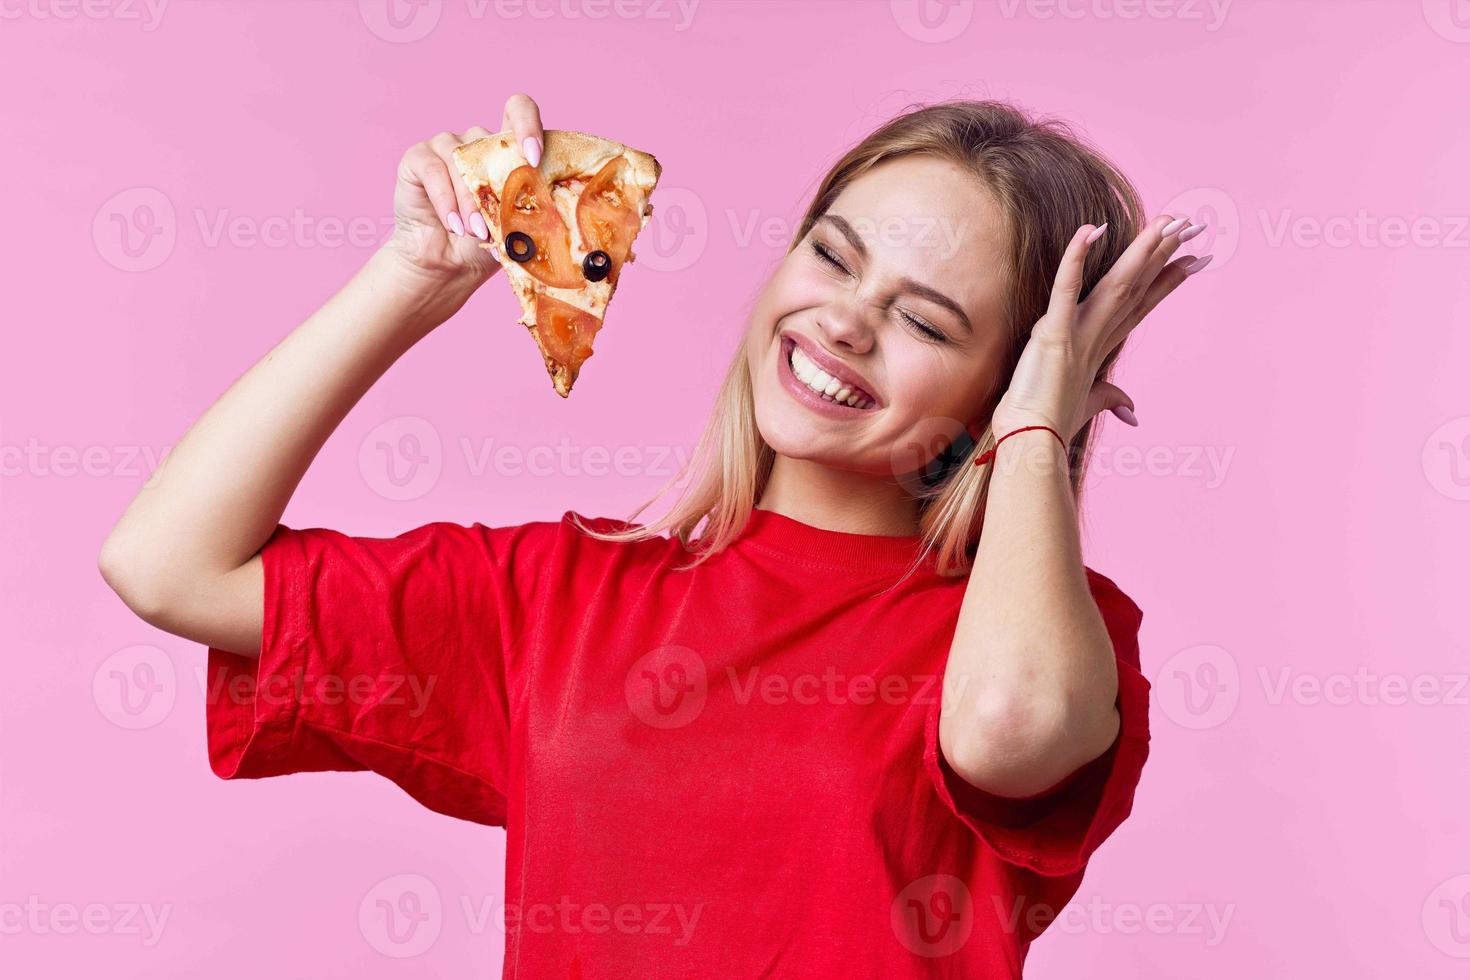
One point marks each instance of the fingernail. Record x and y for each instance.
(1190, 232)
(1096, 233)
(455, 225)
(532, 147)
(477, 225)
(1126, 414)
(1174, 226)
(1198, 264)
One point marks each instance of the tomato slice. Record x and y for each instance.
(607, 217)
(526, 206)
(489, 203)
(566, 331)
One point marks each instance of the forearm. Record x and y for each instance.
(1031, 679)
(223, 487)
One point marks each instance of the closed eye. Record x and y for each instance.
(914, 323)
(826, 256)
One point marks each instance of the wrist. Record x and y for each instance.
(421, 297)
(1003, 421)
(1033, 444)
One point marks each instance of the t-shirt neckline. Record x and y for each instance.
(795, 539)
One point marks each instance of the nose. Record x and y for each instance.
(844, 323)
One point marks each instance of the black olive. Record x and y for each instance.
(519, 246)
(596, 266)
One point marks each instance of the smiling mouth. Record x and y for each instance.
(820, 383)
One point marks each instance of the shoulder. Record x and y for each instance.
(574, 518)
(576, 534)
(543, 555)
(567, 532)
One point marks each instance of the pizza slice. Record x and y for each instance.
(563, 231)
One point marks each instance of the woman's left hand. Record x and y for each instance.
(1055, 382)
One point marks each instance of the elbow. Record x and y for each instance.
(1017, 745)
(141, 591)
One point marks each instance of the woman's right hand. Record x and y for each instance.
(186, 554)
(438, 228)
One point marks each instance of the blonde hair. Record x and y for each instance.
(1047, 182)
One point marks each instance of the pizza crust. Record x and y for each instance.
(486, 163)
(564, 154)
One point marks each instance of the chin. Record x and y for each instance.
(785, 429)
(793, 432)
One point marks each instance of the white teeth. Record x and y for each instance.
(823, 383)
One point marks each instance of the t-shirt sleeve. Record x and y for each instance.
(1055, 832)
(395, 655)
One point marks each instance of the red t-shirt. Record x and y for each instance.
(730, 771)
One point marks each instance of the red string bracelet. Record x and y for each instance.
(989, 454)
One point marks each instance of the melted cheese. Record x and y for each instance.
(593, 297)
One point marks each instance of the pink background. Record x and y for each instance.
(1292, 517)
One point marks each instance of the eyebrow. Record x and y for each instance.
(907, 284)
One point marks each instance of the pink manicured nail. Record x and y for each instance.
(1096, 233)
(1174, 226)
(1126, 414)
(477, 225)
(1198, 264)
(532, 147)
(1190, 232)
(455, 225)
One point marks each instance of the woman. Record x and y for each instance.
(838, 730)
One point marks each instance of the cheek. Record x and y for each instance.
(937, 384)
(792, 288)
